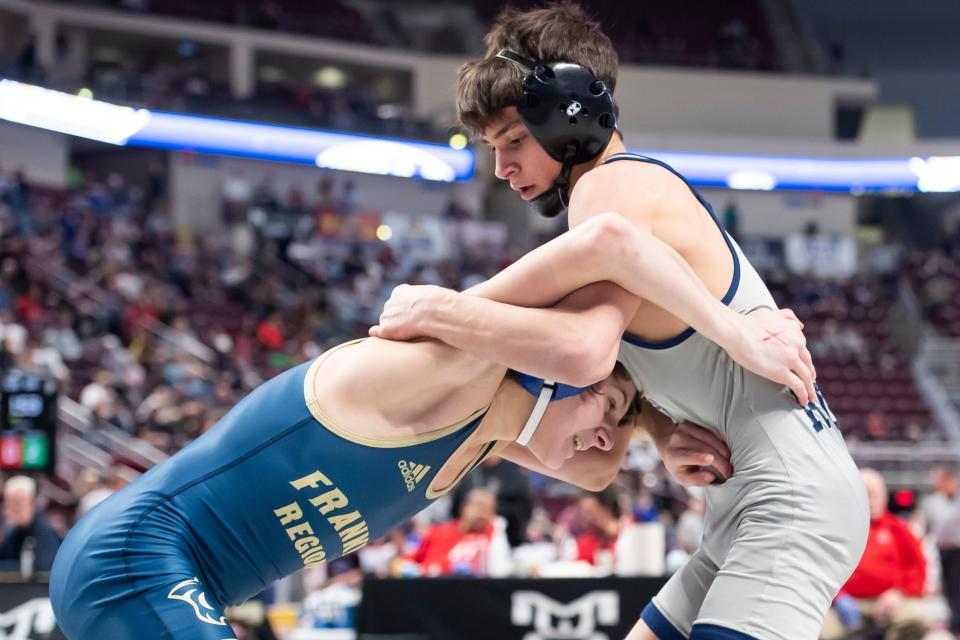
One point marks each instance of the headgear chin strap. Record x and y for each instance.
(546, 391)
(570, 112)
(551, 202)
(540, 408)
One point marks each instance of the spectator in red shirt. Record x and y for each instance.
(269, 333)
(602, 512)
(460, 547)
(30, 306)
(886, 589)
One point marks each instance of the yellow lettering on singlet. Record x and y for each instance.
(352, 532)
(357, 542)
(315, 558)
(299, 530)
(305, 544)
(289, 513)
(339, 522)
(311, 481)
(350, 526)
(327, 502)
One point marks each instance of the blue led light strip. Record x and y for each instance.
(346, 152)
(57, 111)
(113, 124)
(755, 172)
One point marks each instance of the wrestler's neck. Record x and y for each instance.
(508, 412)
(613, 147)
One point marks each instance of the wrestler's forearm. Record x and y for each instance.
(503, 333)
(608, 247)
(575, 342)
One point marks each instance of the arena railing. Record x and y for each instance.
(937, 372)
(86, 441)
(942, 354)
(905, 465)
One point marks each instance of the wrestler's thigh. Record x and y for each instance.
(178, 610)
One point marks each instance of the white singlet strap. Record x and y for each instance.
(543, 401)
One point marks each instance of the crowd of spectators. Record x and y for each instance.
(731, 35)
(936, 279)
(863, 372)
(133, 269)
(159, 332)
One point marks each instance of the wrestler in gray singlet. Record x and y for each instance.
(784, 533)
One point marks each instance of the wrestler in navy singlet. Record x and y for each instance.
(274, 486)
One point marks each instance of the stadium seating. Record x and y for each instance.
(712, 34)
(935, 277)
(869, 387)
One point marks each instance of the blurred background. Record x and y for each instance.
(195, 196)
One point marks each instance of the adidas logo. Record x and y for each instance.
(412, 473)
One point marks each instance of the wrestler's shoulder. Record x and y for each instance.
(634, 189)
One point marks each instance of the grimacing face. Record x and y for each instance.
(582, 422)
(518, 157)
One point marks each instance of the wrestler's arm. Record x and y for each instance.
(609, 247)
(502, 319)
(605, 247)
(611, 237)
(531, 340)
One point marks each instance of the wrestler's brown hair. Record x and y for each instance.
(636, 405)
(632, 413)
(558, 32)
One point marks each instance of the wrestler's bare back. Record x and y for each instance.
(386, 389)
(389, 390)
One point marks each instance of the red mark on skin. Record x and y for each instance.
(773, 335)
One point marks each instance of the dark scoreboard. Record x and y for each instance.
(28, 421)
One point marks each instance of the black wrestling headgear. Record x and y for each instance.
(570, 112)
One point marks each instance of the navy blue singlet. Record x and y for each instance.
(273, 487)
